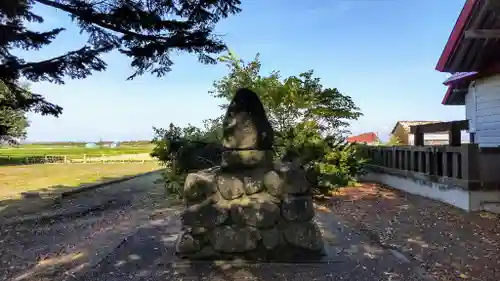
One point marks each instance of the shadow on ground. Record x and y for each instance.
(54, 250)
(448, 242)
(150, 255)
(137, 243)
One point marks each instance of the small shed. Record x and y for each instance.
(402, 131)
(114, 145)
(91, 145)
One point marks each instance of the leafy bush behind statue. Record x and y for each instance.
(330, 162)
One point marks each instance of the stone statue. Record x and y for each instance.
(248, 207)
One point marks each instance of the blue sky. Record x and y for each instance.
(380, 52)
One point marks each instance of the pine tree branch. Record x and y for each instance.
(99, 19)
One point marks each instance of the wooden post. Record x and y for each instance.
(455, 172)
(444, 156)
(401, 159)
(455, 136)
(418, 137)
(393, 156)
(470, 165)
(428, 166)
(412, 161)
(84, 158)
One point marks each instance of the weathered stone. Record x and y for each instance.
(227, 239)
(295, 180)
(254, 182)
(297, 208)
(259, 210)
(274, 183)
(206, 252)
(206, 214)
(187, 244)
(199, 230)
(233, 160)
(245, 125)
(199, 186)
(304, 235)
(230, 186)
(271, 238)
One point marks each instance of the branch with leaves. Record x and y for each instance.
(147, 32)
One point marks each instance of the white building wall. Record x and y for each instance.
(437, 138)
(482, 104)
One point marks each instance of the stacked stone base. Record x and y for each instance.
(260, 214)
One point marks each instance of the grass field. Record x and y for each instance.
(49, 177)
(72, 150)
(17, 154)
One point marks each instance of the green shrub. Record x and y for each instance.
(330, 161)
(183, 150)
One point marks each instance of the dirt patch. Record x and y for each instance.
(449, 243)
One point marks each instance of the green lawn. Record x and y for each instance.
(17, 154)
(72, 150)
(45, 177)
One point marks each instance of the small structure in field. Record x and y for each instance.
(111, 145)
(91, 145)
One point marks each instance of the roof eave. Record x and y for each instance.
(455, 35)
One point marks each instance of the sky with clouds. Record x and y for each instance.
(380, 52)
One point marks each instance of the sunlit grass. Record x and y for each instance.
(46, 177)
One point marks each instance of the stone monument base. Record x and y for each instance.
(252, 214)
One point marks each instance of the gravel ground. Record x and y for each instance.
(35, 252)
(149, 255)
(135, 241)
(449, 243)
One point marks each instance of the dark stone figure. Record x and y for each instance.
(245, 124)
(249, 207)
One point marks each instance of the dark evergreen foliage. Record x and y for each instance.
(146, 31)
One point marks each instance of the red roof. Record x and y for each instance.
(366, 137)
(456, 34)
(469, 47)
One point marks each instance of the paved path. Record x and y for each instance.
(148, 255)
(68, 246)
(135, 241)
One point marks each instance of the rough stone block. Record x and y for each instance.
(253, 183)
(230, 186)
(228, 239)
(206, 214)
(199, 186)
(271, 238)
(233, 160)
(187, 244)
(297, 208)
(296, 181)
(258, 210)
(305, 235)
(199, 230)
(274, 183)
(206, 252)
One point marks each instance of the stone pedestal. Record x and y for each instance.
(255, 213)
(248, 207)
